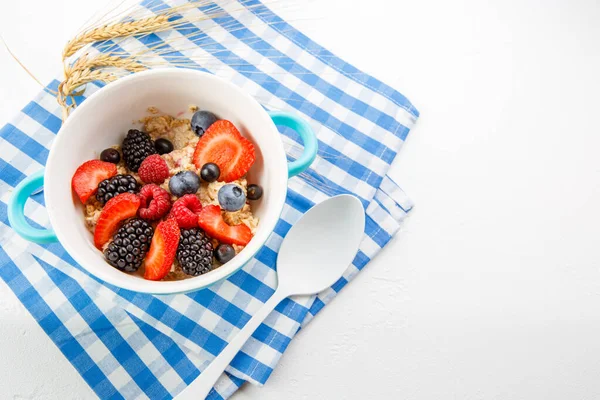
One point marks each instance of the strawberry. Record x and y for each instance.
(117, 209)
(89, 174)
(155, 202)
(211, 220)
(162, 250)
(223, 145)
(185, 210)
(153, 170)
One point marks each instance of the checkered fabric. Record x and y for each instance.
(130, 345)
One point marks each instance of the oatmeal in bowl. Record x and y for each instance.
(172, 200)
(173, 167)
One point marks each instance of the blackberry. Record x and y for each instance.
(129, 246)
(194, 252)
(109, 188)
(137, 145)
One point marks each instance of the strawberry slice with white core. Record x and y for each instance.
(211, 220)
(223, 145)
(162, 251)
(116, 210)
(89, 174)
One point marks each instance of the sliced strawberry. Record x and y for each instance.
(162, 250)
(212, 222)
(223, 145)
(117, 209)
(89, 174)
(185, 210)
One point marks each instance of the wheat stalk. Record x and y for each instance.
(105, 60)
(112, 30)
(76, 79)
(87, 69)
(120, 29)
(83, 76)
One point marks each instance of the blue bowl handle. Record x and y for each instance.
(16, 210)
(309, 139)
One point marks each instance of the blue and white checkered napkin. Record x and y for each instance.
(128, 345)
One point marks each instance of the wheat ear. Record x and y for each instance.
(105, 60)
(119, 29)
(76, 79)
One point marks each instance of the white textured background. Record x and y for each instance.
(492, 289)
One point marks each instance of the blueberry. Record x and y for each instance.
(224, 253)
(110, 155)
(201, 120)
(231, 197)
(210, 172)
(254, 192)
(163, 146)
(184, 182)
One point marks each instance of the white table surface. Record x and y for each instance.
(492, 288)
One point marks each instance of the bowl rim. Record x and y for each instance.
(141, 285)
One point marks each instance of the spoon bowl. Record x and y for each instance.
(313, 256)
(320, 246)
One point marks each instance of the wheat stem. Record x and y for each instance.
(76, 79)
(105, 60)
(24, 67)
(152, 24)
(126, 26)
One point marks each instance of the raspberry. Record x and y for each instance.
(153, 170)
(185, 210)
(154, 202)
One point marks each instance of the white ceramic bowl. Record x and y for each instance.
(103, 120)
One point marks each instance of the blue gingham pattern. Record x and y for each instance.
(128, 345)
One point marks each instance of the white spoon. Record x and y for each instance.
(313, 256)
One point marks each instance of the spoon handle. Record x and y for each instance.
(201, 386)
